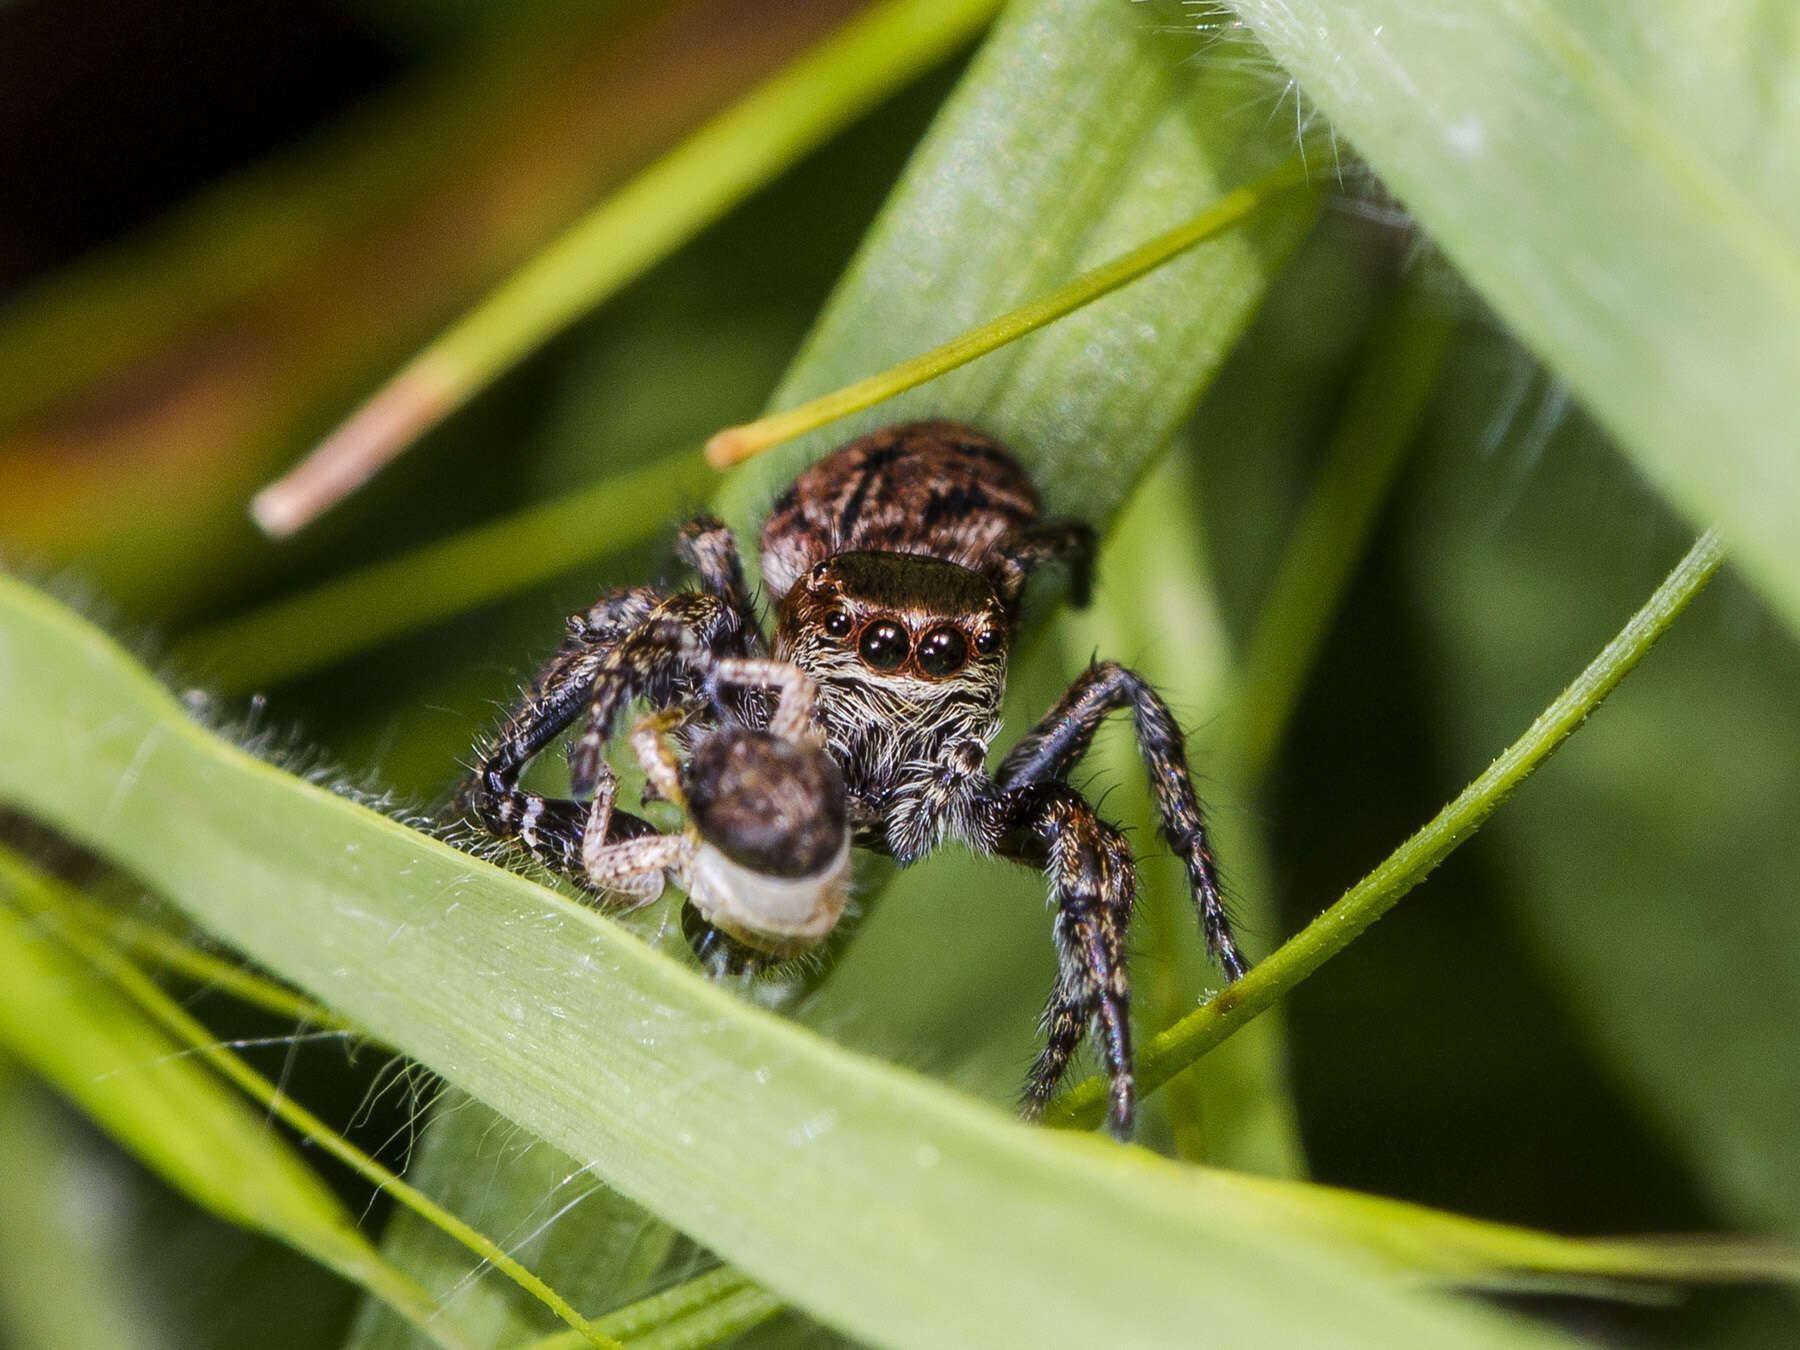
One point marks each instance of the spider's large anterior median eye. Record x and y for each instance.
(837, 624)
(942, 652)
(884, 645)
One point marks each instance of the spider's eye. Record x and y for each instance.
(987, 642)
(884, 645)
(942, 652)
(836, 624)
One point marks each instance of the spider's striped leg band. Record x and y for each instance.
(1062, 737)
(1093, 883)
(551, 829)
(665, 660)
(707, 545)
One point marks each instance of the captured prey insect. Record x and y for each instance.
(764, 856)
(896, 566)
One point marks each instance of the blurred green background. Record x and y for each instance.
(227, 225)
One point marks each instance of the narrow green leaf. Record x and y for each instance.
(44, 899)
(1618, 182)
(63, 1021)
(736, 444)
(399, 595)
(669, 1308)
(1477, 1254)
(137, 938)
(584, 1240)
(53, 1257)
(807, 1166)
(1385, 404)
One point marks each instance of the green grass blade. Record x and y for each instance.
(737, 152)
(1173, 1050)
(669, 1308)
(136, 938)
(1385, 404)
(736, 444)
(63, 1021)
(592, 1246)
(46, 901)
(399, 595)
(1617, 182)
(1478, 1254)
(730, 1316)
(805, 1165)
(52, 1257)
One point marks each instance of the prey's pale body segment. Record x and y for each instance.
(895, 567)
(764, 852)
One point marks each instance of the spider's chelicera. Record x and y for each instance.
(895, 566)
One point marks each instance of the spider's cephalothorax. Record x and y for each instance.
(896, 565)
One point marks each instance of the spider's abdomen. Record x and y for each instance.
(936, 489)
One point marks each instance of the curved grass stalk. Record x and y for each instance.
(692, 186)
(704, 1311)
(63, 1020)
(736, 444)
(739, 1312)
(659, 1313)
(46, 900)
(1176, 1048)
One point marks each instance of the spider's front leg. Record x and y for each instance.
(631, 643)
(669, 656)
(1062, 737)
(552, 830)
(1093, 884)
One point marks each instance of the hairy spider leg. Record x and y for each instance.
(796, 694)
(1052, 748)
(552, 830)
(674, 645)
(1093, 882)
(630, 643)
(665, 660)
(707, 545)
(1070, 542)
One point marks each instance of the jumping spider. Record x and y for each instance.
(896, 566)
